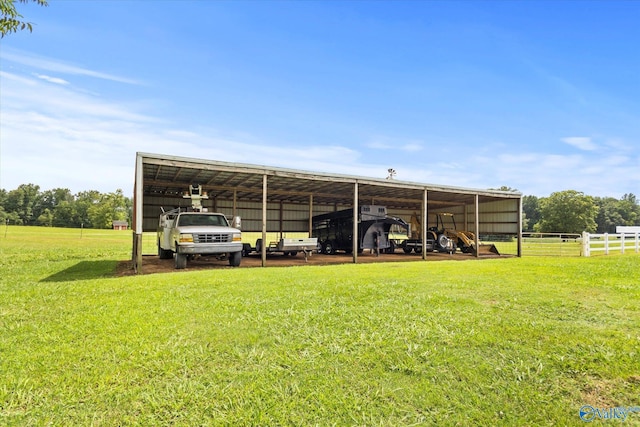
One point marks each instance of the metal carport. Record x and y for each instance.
(162, 179)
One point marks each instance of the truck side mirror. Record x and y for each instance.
(237, 222)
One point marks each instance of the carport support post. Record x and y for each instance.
(310, 214)
(138, 215)
(477, 225)
(423, 231)
(356, 238)
(264, 221)
(520, 227)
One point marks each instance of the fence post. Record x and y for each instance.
(585, 244)
(637, 242)
(622, 243)
(606, 243)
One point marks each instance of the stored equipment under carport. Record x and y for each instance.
(334, 230)
(286, 246)
(198, 233)
(464, 240)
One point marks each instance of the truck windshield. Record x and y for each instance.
(206, 220)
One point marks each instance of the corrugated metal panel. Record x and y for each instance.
(489, 228)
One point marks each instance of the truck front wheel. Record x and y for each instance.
(181, 261)
(235, 258)
(164, 254)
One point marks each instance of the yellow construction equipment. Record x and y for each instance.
(436, 239)
(465, 240)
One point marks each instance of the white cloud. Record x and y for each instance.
(581, 142)
(378, 146)
(412, 147)
(54, 65)
(50, 79)
(388, 143)
(55, 136)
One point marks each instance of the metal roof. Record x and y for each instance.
(169, 176)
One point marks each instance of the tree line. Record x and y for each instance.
(562, 212)
(574, 212)
(27, 205)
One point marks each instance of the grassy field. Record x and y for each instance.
(519, 341)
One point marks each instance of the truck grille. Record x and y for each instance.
(212, 238)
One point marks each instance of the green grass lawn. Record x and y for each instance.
(519, 341)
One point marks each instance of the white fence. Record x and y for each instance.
(608, 243)
(550, 244)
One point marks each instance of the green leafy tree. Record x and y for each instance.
(630, 209)
(613, 212)
(45, 218)
(23, 203)
(3, 199)
(65, 214)
(85, 200)
(531, 210)
(111, 207)
(129, 209)
(10, 20)
(52, 198)
(567, 211)
(608, 215)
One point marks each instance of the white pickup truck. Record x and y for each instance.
(189, 234)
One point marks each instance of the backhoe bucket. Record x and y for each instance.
(489, 248)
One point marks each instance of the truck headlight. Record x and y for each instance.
(237, 237)
(186, 238)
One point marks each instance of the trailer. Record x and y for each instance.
(286, 246)
(334, 230)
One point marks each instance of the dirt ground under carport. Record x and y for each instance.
(153, 264)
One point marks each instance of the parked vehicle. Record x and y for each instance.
(187, 234)
(436, 239)
(464, 240)
(285, 246)
(334, 230)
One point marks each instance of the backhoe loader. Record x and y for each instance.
(464, 240)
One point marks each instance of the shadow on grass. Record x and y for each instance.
(85, 270)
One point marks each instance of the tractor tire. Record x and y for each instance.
(443, 241)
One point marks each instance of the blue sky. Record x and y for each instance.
(540, 96)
